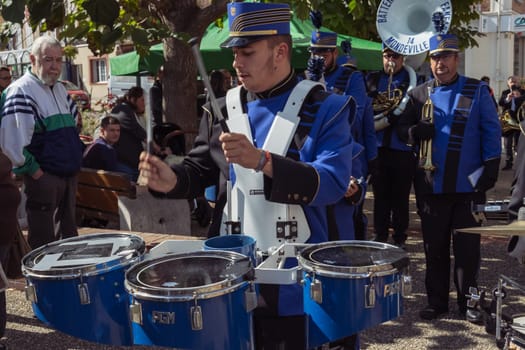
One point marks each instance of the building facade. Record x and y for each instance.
(501, 52)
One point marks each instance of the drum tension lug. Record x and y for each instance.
(31, 293)
(406, 285)
(250, 298)
(286, 229)
(370, 295)
(196, 317)
(135, 313)
(316, 290)
(83, 293)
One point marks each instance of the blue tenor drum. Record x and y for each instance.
(350, 286)
(195, 300)
(76, 285)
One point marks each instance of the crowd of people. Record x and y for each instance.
(354, 132)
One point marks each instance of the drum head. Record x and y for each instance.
(352, 257)
(86, 255)
(188, 274)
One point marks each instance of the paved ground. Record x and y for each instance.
(406, 332)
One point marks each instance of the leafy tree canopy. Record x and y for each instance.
(103, 23)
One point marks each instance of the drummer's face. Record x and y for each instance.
(256, 65)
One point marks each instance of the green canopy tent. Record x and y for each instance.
(367, 53)
(132, 63)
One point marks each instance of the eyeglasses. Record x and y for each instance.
(394, 56)
(5, 78)
(320, 51)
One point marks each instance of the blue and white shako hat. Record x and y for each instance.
(252, 21)
(443, 43)
(323, 40)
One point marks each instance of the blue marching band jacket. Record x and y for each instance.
(467, 134)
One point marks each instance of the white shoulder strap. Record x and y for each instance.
(285, 123)
(237, 120)
(283, 127)
(296, 99)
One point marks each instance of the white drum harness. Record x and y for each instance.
(270, 223)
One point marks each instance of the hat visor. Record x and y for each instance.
(441, 52)
(236, 41)
(315, 49)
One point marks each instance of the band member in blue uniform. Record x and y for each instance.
(465, 149)
(393, 174)
(311, 174)
(345, 79)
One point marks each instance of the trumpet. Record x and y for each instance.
(508, 123)
(425, 148)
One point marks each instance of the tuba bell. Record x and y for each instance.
(509, 124)
(410, 38)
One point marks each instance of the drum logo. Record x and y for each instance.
(163, 317)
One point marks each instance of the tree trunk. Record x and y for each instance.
(180, 70)
(180, 94)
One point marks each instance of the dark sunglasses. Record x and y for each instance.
(320, 50)
(391, 55)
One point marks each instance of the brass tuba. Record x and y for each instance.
(405, 27)
(386, 101)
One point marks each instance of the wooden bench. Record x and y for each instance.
(97, 196)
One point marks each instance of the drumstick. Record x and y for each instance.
(149, 123)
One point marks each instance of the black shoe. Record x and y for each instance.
(430, 313)
(474, 316)
(508, 166)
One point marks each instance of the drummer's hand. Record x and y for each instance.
(157, 175)
(353, 187)
(239, 150)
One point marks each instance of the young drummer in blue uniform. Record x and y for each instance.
(465, 135)
(313, 172)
